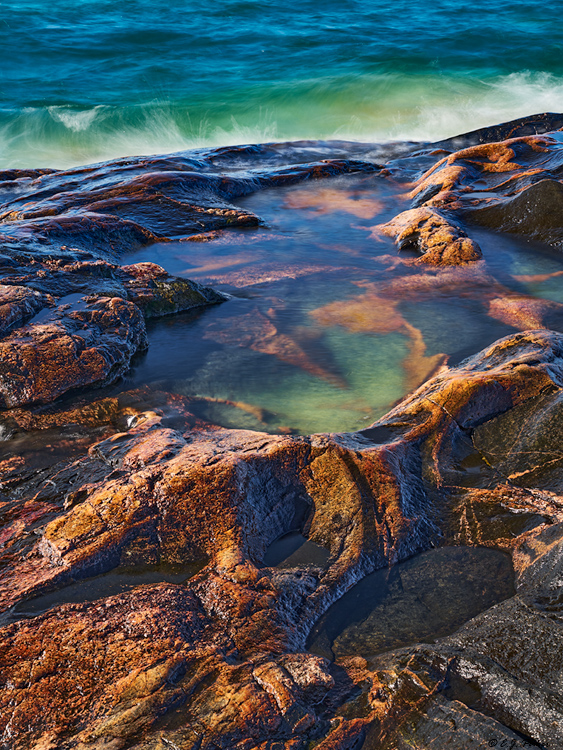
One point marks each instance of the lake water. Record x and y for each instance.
(86, 80)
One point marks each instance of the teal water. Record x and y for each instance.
(89, 80)
(304, 344)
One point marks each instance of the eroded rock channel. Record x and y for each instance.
(237, 553)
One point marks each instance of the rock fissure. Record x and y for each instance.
(471, 457)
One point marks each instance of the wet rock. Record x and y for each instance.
(536, 211)
(522, 444)
(501, 673)
(439, 241)
(91, 235)
(221, 658)
(118, 206)
(157, 293)
(82, 347)
(16, 304)
(484, 174)
(122, 412)
(470, 458)
(523, 126)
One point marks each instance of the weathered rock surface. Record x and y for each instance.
(63, 233)
(79, 324)
(91, 345)
(439, 242)
(536, 211)
(221, 661)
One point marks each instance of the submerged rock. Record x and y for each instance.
(237, 630)
(471, 458)
(64, 232)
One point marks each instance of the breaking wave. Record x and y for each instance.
(368, 108)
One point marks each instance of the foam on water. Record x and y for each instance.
(376, 108)
(98, 80)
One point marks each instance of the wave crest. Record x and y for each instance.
(374, 108)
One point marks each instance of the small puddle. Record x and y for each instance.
(293, 550)
(117, 581)
(427, 597)
(76, 301)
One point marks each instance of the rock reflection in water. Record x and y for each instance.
(117, 581)
(422, 599)
(330, 322)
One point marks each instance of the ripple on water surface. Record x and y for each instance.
(422, 599)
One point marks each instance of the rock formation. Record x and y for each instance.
(470, 458)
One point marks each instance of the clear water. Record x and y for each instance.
(419, 600)
(293, 550)
(86, 80)
(324, 332)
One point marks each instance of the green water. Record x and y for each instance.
(275, 358)
(91, 79)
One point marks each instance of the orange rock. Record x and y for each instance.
(221, 659)
(90, 345)
(440, 241)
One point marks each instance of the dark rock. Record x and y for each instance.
(18, 303)
(89, 345)
(157, 293)
(536, 212)
(523, 126)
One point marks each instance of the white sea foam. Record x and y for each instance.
(75, 120)
(376, 108)
(459, 106)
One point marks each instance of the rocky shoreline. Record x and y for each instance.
(472, 457)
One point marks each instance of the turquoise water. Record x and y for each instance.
(89, 80)
(304, 344)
